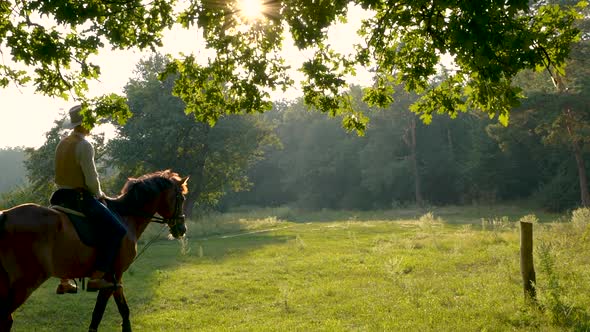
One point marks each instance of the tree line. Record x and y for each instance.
(400, 161)
(12, 173)
(292, 155)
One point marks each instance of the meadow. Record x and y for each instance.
(437, 269)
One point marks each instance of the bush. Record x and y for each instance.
(581, 221)
(581, 216)
(19, 196)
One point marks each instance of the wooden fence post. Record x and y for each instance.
(527, 267)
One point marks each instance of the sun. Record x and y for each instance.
(251, 10)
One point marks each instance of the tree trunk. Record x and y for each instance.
(579, 155)
(450, 142)
(414, 161)
(581, 165)
(584, 194)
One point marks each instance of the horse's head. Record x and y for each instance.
(171, 206)
(160, 192)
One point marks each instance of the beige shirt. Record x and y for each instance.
(84, 160)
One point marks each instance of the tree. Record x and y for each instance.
(13, 170)
(391, 153)
(572, 122)
(559, 99)
(403, 41)
(40, 164)
(547, 171)
(562, 118)
(161, 135)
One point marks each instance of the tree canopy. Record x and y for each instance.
(403, 41)
(216, 158)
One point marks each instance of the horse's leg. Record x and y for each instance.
(13, 298)
(5, 323)
(99, 307)
(5, 315)
(20, 292)
(123, 309)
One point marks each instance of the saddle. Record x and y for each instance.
(71, 202)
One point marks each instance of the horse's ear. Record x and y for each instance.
(184, 180)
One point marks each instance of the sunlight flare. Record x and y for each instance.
(251, 10)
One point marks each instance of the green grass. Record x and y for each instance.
(354, 271)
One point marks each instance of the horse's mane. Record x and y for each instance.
(137, 191)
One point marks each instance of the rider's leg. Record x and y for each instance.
(68, 198)
(112, 232)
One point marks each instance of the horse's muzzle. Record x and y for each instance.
(178, 229)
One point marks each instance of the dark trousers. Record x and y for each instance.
(111, 232)
(109, 227)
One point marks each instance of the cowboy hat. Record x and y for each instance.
(75, 117)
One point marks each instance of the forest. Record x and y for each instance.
(507, 121)
(295, 156)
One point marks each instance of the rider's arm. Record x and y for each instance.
(85, 155)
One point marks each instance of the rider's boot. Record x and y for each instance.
(66, 286)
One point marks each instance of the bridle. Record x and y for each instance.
(177, 217)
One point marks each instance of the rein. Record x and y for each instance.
(149, 243)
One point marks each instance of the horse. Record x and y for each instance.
(38, 242)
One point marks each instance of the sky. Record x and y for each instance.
(25, 116)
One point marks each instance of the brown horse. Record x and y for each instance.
(37, 243)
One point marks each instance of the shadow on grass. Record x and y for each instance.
(574, 318)
(538, 316)
(46, 311)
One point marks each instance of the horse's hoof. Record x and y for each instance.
(126, 327)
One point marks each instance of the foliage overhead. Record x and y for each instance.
(403, 41)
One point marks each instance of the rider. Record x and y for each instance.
(75, 173)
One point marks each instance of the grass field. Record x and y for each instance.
(455, 269)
